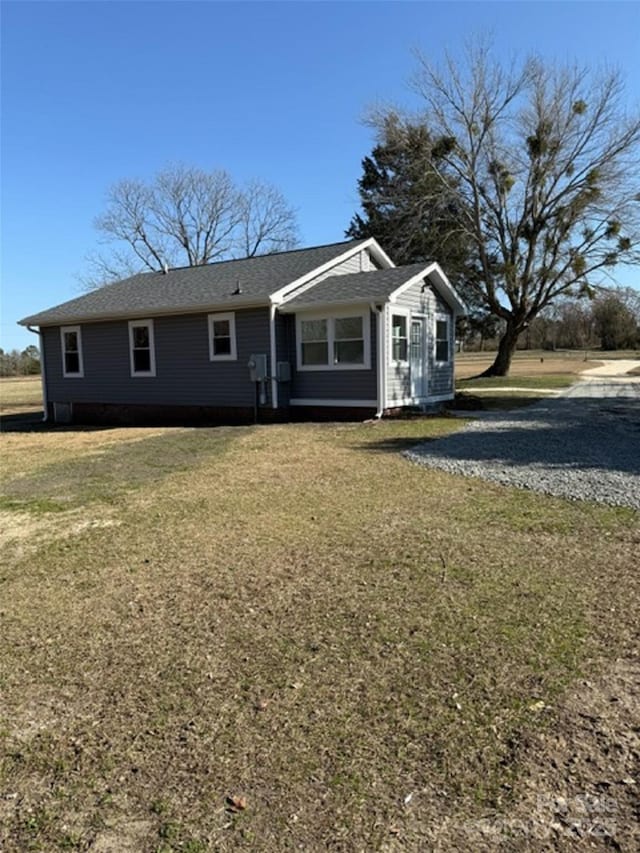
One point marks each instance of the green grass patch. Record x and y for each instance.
(73, 481)
(496, 393)
(549, 380)
(33, 505)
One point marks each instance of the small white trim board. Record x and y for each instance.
(310, 401)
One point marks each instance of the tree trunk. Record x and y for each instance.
(506, 349)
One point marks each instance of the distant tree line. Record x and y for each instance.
(611, 321)
(16, 363)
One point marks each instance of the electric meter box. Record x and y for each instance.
(258, 367)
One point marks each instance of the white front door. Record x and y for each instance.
(417, 357)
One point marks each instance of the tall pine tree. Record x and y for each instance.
(412, 214)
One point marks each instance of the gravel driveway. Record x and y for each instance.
(583, 444)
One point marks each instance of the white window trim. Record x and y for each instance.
(330, 317)
(231, 317)
(401, 312)
(440, 317)
(137, 374)
(80, 373)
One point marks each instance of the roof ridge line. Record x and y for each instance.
(246, 258)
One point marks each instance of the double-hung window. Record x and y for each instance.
(333, 343)
(442, 339)
(399, 337)
(222, 337)
(72, 363)
(314, 343)
(142, 354)
(348, 340)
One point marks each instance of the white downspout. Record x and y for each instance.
(273, 371)
(43, 374)
(381, 364)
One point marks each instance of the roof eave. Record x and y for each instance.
(41, 320)
(294, 308)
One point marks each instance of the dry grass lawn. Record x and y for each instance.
(355, 650)
(20, 394)
(538, 363)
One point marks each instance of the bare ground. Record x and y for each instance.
(579, 781)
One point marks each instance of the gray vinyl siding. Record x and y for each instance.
(353, 264)
(334, 384)
(439, 377)
(360, 262)
(184, 373)
(285, 341)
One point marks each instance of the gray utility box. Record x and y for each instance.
(257, 367)
(283, 371)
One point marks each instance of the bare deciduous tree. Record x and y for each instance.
(185, 217)
(548, 163)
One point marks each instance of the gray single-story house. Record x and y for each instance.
(330, 331)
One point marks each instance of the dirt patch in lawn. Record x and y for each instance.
(22, 533)
(579, 782)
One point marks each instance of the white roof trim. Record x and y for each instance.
(380, 254)
(279, 296)
(441, 283)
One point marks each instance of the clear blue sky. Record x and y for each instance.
(93, 92)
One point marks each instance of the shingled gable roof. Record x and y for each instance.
(373, 286)
(191, 289)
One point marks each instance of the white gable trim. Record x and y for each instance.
(279, 296)
(379, 254)
(441, 283)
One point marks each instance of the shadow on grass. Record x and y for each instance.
(114, 469)
(22, 422)
(396, 444)
(469, 402)
(32, 422)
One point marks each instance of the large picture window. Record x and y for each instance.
(443, 339)
(141, 348)
(335, 343)
(72, 363)
(222, 337)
